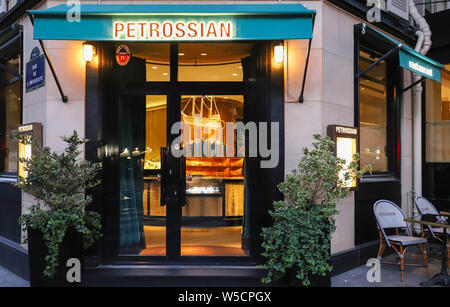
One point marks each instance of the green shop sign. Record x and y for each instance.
(167, 22)
(416, 64)
(408, 57)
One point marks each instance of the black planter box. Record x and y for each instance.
(71, 247)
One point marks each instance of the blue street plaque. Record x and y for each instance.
(35, 71)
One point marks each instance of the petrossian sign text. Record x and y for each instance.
(168, 30)
(346, 130)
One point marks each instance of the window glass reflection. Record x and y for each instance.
(213, 218)
(13, 119)
(373, 114)
(157, 60)
(438, 119)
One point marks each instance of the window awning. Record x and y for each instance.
(408, 57)
(159, 22)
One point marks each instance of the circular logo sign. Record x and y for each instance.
(123, 55)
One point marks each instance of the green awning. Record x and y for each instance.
(409, 58)
(163, 22)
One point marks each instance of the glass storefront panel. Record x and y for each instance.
(438, 119)
(213, 216)
(211, 220)
(373, 114)
(12, 65)
(157, 60)
(13, 119)
(143, 133)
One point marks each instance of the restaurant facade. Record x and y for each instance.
(123, 74)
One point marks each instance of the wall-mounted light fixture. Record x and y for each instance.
(34, 131)
(278, 53)
(89, 52)
(345, 146)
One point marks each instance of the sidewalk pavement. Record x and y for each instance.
(390, 274)
(8, 279)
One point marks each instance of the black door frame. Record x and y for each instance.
(103, 87)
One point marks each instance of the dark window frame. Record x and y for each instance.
(394, 84)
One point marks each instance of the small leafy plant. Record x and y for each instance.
(58, 182)
(304, 221)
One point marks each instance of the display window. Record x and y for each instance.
(201, 86)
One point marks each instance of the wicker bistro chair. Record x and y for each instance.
(390, 216)
(425, 207)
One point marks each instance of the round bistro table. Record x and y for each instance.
(442, 277)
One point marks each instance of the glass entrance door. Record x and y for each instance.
(201, 86)
(143, 134)
(213, 215)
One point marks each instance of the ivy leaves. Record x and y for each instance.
(58, 182)
(304, 221)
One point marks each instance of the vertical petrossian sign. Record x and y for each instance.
(35, 71)
(33, 130)
(162, 29)
(345, 140)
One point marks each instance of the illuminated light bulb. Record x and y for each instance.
(88, 52)
(278, 53)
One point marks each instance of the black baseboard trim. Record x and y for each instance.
(355, 257)
(172, 276)
(185, 276)
(14, 258)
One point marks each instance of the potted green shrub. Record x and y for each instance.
(297, 246)
(58, 225)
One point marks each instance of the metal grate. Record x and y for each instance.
(420, 6)
(399, 8)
